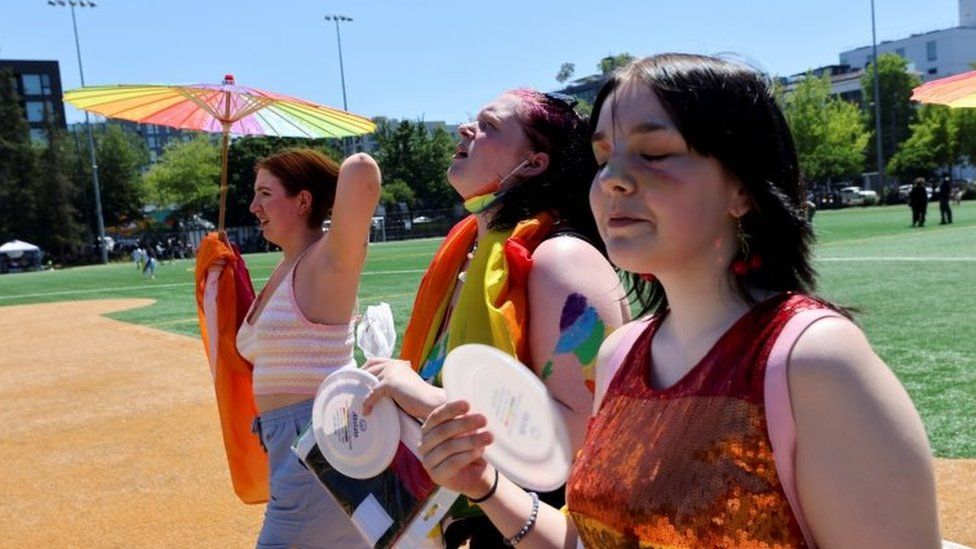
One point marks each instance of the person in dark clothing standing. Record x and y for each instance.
(945, 193)
(918, 199)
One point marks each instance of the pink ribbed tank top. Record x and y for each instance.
(290, 353)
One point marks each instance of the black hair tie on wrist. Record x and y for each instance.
(490, 493)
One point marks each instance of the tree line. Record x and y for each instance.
(836, 138)
(46, 187)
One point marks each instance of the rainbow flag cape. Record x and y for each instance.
(224, 296)
(492, 307)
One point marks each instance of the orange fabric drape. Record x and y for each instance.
(438, 281)
(223, 298)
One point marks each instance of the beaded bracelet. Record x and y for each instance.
(490, 493)
(527, 527)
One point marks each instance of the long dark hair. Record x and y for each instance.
(552, 127)
(727, 111)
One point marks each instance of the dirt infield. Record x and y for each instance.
(110, 439)
(110, 435)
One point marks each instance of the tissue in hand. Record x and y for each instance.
(375, 334)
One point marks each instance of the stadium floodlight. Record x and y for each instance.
(342, 72)
(102, 242)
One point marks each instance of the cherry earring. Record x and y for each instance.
(746, 262)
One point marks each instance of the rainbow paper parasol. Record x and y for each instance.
(953, 91)
(226, 108)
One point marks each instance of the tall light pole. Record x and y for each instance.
(342, 72)
(877, 102)
(91, 135)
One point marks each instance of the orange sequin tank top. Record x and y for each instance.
(690, 465)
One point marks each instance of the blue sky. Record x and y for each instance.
(428, 59)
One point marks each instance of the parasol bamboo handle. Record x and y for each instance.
(223, 178)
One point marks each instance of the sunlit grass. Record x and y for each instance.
(913, 287)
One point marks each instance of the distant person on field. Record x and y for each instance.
(138, 257)
(918, 199)
(945, 193)
(150, 268)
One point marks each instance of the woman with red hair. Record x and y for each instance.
(300, 328)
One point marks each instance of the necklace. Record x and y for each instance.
(463, 275)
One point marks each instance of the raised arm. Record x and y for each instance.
(327, 281)
(357, 193)
(863, 463)
(576, 300)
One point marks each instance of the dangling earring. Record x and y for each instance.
(745, 262)
(647, 277)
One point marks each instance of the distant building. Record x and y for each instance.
(845, 82)
(155, 137)
(39, 87)
(934, 54)
(930, 55)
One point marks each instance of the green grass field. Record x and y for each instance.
(914, 289)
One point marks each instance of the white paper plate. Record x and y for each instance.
(531, 444)
(357, 446)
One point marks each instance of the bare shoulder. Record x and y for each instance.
(832, 349)
(565, 265)
(833, 366)
(836, 377)
(565, 247)
(566, 258)
(863, 463)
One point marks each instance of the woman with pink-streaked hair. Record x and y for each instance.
(525, 272)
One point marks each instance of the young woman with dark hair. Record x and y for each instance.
(698, 190)
(524, 273)
(300, 328)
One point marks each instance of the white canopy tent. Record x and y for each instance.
(18, 255)
(16, 248)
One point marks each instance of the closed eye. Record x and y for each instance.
(655, 157)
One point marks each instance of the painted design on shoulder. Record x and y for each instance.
(581, 331)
